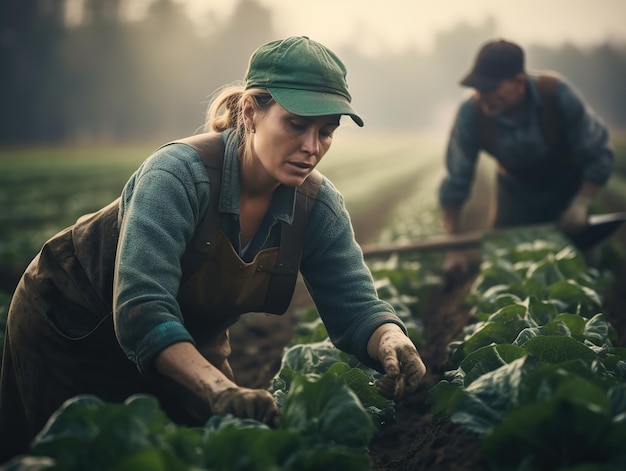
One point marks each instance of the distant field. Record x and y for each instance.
(43, 190)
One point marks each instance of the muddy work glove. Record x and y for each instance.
(574, 219)
(403, 365)
(246, 403)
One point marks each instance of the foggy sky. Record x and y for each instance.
(392, 25)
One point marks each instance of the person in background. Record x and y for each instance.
(139, 296)
(552, 152)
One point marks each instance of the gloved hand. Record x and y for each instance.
(247, 403)
(574, 219)
(403, 365)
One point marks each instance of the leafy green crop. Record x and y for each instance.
(323, 426)
(537, 376)
(314, 360)
(86, 433)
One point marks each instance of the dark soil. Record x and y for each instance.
(416, 441)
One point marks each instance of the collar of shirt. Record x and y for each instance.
(281, 208)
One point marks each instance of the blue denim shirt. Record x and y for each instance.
(586, 137)
(161, 206)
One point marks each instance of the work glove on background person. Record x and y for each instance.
(246, 403)
(574, 219)
(456, 264)
(403, 365)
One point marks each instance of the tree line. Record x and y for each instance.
(110, 79)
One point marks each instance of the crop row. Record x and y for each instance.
(536, 375)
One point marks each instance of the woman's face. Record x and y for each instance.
(287, 147)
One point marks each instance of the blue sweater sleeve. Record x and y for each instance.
(159, 211)
(338, 280)
(461, 157)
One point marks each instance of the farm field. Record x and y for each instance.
(390, 189)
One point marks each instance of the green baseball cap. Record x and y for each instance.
(304, 77)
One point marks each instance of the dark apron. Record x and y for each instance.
(60, 340)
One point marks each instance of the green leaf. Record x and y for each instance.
(485, 402)
(575, 324)
(445, 398)
(555, 349)
(564, 413)
(87, 433)
(219, 422)
(364, 386)
(487, 359)
(71, 420)
(503, 327)
(545, 271)
(326, 409)
(496, 272)
(552, 435)
(576, 298)
(318, 358)
(309, 332)
(531, 287)
(327, 457)
(540, 311)
(251, 449)
(597, 330)
(313, 358)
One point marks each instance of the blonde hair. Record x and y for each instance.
(225, 111)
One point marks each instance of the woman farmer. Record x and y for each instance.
(138, 297)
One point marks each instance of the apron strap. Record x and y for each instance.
(285, 272)
(210, 147)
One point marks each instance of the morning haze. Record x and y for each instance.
(107, 73)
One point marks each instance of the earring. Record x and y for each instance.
(252, 130)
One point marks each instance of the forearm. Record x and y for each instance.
(451, 219)
(183, 363)
(589, 189)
